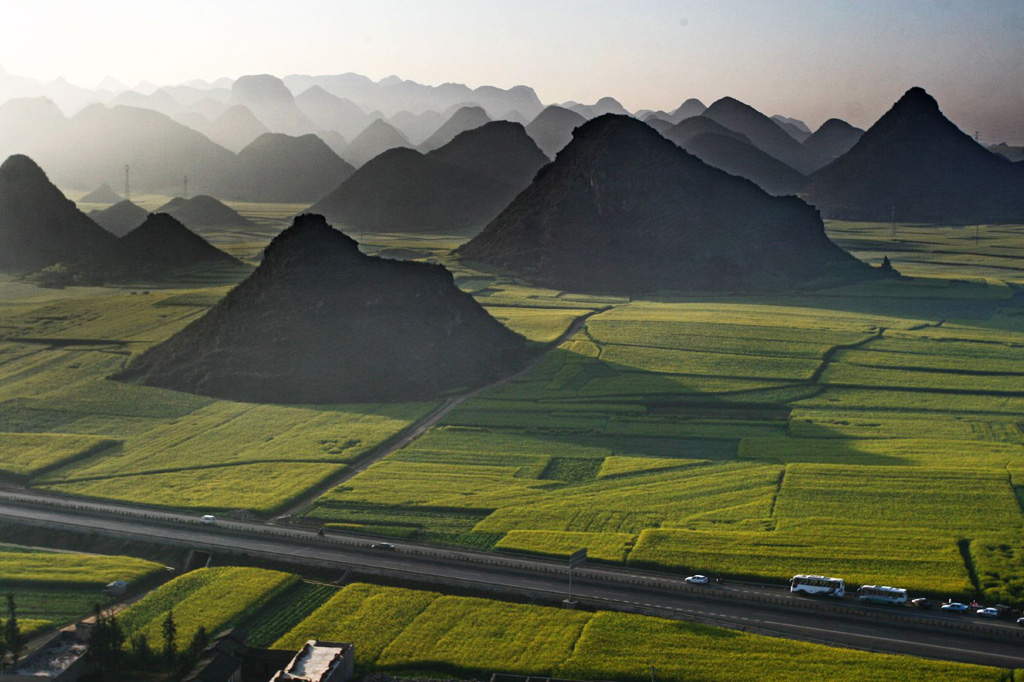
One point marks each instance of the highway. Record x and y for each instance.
(751, 608)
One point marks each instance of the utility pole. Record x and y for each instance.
(892, 217)
(127, 185)
(185, 193)
(653, 669)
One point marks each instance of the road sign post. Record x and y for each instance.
(576, 559)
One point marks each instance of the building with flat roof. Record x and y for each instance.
(319, 661)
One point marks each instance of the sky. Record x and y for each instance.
(809, 59)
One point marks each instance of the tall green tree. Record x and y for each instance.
(13, 638)
(170, 632)
(106, 646)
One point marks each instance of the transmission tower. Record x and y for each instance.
(127, 185)
(185, 193)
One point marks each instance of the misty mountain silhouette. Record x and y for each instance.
(280, 168)
(392, 95)
(417, 127)
(622, 209)
(465, 118)
(796, 128)
(916, 165)
(234, 129)
(605, 105)
(320, 322)
(452, 190)
(329, 112)
(689, 128)
(39, 226)
(763, 133)
(834, 138)
(101, 195)
(747, 161)
(203, 211)
(552, 129)
(272, 103)
(378, 137)
(121, 218)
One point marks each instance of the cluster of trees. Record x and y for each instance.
(12, 641)
(116, 655)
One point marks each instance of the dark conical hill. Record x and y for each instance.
(319, 322)
(39, 226)
(162, 242)
(747, 161)
(622, 209)
(204, 211)
(121, 218)
(834, 138)
(914, 163)
(101, 195)
(279, 168)
(456, 189)
(552, 129)
(763, 133)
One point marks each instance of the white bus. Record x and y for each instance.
(882, 594)
(817, 584)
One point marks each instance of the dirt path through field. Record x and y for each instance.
(420, 427)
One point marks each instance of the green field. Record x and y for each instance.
(214, 598)
(398, 630)
(757, 436)
(862, 413)
(52, 588)
(64, 426)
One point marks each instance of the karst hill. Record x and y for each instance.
(622, 209)
(915, 165)
(320, 322)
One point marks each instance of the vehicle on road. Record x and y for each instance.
(807, 585)
(697, 580)
(209, 519)
(955, 607)
(1020, 621)
(382, 545)
(882, 594)
(921, 603)
(988, 612)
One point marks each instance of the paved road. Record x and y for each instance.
(769, 611)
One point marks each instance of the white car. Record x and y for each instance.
(956, 607)
(697, 580)
(209, 519)
(988, 613)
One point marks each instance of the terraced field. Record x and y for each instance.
(52, 588)
(872, 412)
(65, 427)
(400, 630)
(755, 436)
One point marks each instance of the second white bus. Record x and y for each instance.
(818, 585)
(882, 594)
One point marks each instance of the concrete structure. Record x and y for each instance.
(320, 661)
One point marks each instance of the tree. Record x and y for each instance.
(106, 645)
(170, 632)
(13, 639)
(142, 655)
(193, 652)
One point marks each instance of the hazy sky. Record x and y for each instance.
(812, 59)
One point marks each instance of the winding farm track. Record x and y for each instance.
(420, 427)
